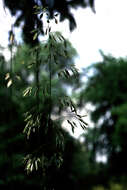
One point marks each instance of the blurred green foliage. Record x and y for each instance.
(106, 90)
(80, 168)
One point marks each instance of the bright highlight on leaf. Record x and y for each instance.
(18, 77)
(35, 36)
(7, 76)
(9, 83)
(11, 38)
(27, 91)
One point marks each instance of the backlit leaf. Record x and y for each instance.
(18, 77)
(9, 83)
(35, 36)
(7, 76)
(11, 38)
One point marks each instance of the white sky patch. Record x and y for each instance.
(101, 158)
(5, 25)
(6, 21)
(106, 30)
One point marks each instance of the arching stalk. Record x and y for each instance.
(37, 79)
(50, 87)
(11, 69)
(11, 39)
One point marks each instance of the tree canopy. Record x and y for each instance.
(106, 90)
(26, 13)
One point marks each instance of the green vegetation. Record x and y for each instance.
(35, 150)
(106, 91)
(43, 144)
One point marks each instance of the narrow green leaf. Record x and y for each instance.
(74, 123)
(83, 121)
(35, 36)
(46, 32)
(72, 129)
(9, 83)
(67, 72)
(7, 76)
(56, 14)
(56, 21)
(34, 30)
(31, 167)
(27, 91)
(82, 126)
(49, 29)
(41, 15)
(36, 165)
(18, 77)
(11, 38)
(72, 126)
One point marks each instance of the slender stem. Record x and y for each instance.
(50, 83)
(11, 68)
(37, 80)
(50, 79)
